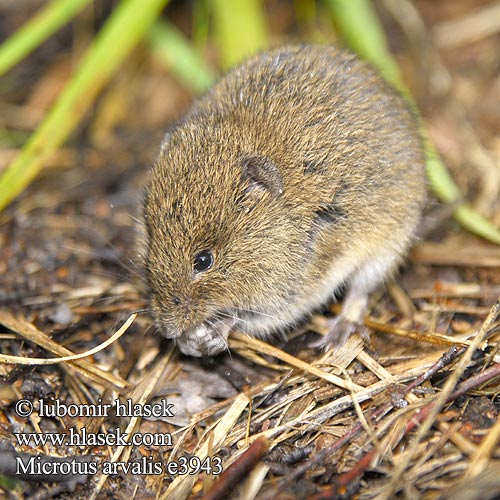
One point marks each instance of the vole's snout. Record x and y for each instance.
(172, 317)
(166, 328)
(177, 314)
(196, 334)
(172, 329)
(183, 309)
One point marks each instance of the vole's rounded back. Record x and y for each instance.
(299, 171)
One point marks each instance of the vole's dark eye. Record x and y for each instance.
(203, 261)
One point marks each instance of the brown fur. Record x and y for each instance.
(299, 159)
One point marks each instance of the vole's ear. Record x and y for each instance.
(262, 174)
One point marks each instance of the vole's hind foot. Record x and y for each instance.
(354, 308)
(339, 330)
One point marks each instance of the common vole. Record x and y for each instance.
(300, 171)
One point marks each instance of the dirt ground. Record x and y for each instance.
(70, 277)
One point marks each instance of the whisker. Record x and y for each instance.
(231, 316)
(253, 311)
(135, 219)
(141, 311)
(149, 328)
(211, 325)
(126, 263)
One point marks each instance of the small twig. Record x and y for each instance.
(264, 348)
(466, 386)
(477, 380)
(85, 368)
(238, 470)
(431, 337)
(23, 360)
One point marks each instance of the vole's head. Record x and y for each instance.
(221, 249)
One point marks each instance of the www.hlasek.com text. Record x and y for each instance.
(73, 437)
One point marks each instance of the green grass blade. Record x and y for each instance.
(180, 56)
(124, 28)
(46, 22)
(200, 23)
(240, 29)
(476, 223)
(360, 27)
(440, 179)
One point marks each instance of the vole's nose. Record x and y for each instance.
(183, 306)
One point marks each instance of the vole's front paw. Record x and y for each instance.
(202, 341)
(339, 329)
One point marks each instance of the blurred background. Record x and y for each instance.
(152, 59)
